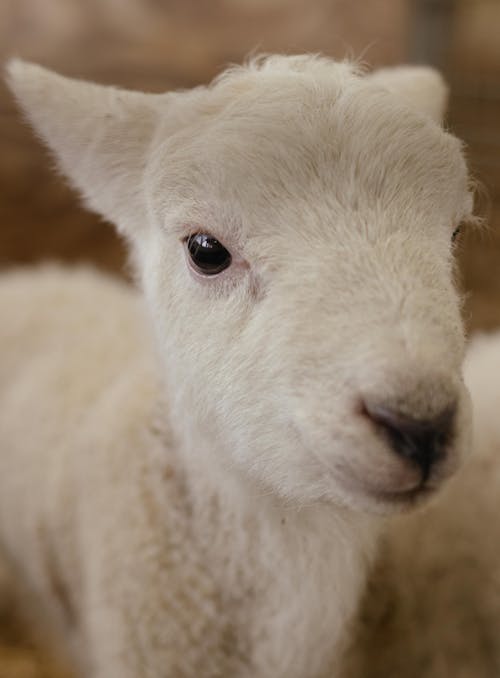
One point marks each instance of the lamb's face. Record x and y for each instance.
(300, 267)
(296, 252)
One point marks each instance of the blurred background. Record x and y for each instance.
(157, 45)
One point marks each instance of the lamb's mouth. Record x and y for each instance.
(391, 497)
(404, 499)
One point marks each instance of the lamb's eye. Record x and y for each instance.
(207, 254)
(456, 233)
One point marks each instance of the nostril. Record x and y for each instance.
(423, 441)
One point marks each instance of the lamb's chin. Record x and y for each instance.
(387, 501)
(360, 493)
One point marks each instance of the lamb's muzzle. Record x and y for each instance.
(422, 441)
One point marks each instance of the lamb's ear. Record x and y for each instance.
(422, 87)
(99, 135)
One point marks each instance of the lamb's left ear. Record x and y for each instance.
(421, 87)
(99, 135)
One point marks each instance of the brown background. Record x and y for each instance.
(161, 44)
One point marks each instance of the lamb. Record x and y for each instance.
(194, 479)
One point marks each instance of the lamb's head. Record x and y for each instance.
(292, 226)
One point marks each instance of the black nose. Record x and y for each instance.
(421, 440)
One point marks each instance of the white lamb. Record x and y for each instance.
(197, 489)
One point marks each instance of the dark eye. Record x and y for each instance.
(207, 254)
(456, 233)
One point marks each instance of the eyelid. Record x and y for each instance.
(229, 237)
(229, 241)
(227, 278)
(206, 232)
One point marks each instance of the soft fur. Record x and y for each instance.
(192, 489)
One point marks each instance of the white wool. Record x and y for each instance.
(191, 489)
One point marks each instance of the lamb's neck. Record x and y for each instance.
(293, 575)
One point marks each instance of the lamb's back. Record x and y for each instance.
(77, 393)
(68, 340)
(76, 323)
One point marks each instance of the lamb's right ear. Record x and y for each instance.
(421, 87)
(99, 135)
